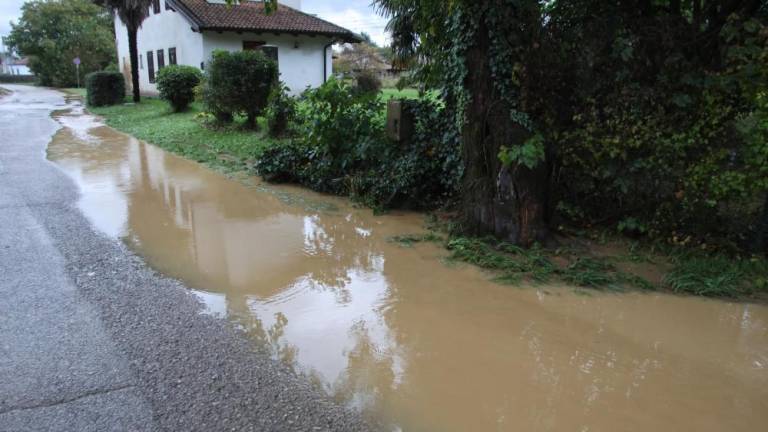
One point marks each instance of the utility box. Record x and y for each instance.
(399, 120)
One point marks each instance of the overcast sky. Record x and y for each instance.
(356, 15)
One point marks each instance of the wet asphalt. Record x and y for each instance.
(92, 339)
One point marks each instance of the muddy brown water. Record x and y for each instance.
(398, 333)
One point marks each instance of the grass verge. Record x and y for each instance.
(626, 267)
(233, 148)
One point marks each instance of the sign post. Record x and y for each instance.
(76, 61)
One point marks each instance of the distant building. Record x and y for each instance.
(12, 65)
(188, 31)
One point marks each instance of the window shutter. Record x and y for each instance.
(151, 66)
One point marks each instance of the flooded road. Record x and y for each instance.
(397, 333)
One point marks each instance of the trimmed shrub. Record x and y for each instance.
(177, 83)
(281, 110)
(239, 83)
(105, 88)
(10, 79)
(368, 82)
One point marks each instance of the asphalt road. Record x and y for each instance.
(91, 339)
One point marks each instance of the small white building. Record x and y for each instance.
(10, 65)
(188, 31)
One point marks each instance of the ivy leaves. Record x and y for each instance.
(529, 154)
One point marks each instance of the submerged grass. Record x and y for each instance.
(233, 148)
(690, 273)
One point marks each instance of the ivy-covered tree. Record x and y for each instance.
(53, 33)
(132, 13)
(608, 111)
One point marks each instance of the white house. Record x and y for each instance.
(188, 31)
(10, 65)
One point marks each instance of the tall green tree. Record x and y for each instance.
(132, 13)
(53, 33)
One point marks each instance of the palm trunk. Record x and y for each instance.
(134, 53)
(507, 202)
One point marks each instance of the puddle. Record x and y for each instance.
(396, 333)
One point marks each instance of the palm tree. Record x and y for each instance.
(132, 13)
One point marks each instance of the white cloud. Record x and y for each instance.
(10, 10)
(359, 22)
(355, 15)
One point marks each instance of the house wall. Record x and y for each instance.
(167, 29)
(19, 70)
(300, 58)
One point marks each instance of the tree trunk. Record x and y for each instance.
(134, 53)
(507, 202)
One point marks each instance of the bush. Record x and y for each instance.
(11, 79)
(281, 109)
(177, 84)
(105, 88)
(342, 148)
(368, 82)
(239, 83)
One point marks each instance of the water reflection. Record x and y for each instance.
(394, 332)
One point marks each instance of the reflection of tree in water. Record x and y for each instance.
(369, 374)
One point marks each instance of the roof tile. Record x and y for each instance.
(250, 16)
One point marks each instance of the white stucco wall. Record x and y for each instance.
(168, 29)
(300, 58)
(19, 70)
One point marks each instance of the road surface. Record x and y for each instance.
(93, 340)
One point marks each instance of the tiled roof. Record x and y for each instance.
(250, 16)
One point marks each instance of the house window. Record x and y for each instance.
(269, 51)
(160, 59)
(151, 66)
(252, 45)
(156, 6)
(172, 56)
(141, 62)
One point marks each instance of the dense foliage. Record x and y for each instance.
(281, 110)
(105, 88)
(340, 147)
(367, 82)
(53, 33)
(645, 115)
(176, 84)
(239, 83)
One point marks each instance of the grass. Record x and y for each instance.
(406, 93)
(74, 91)
(232, 148)
(4, 92)
(690, 273)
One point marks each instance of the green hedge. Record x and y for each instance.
(11, 79)
(177, 83)
(105, 88)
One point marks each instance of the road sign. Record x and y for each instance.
(76, 61)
